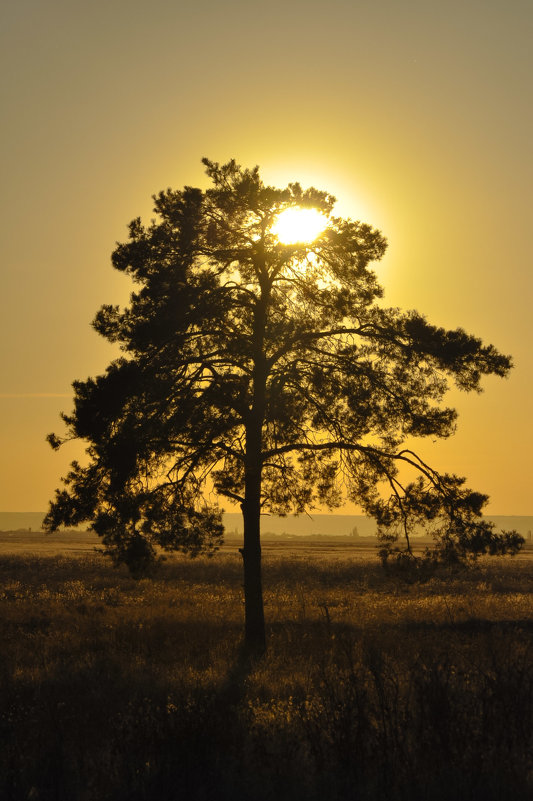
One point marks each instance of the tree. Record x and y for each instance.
(268, 374)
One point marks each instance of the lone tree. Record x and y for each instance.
(260, 367)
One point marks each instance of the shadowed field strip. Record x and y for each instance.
(368, 682)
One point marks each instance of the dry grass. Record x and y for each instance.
(371, 689)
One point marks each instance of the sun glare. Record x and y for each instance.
(295, 225)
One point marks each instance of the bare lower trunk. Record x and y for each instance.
(254, 618)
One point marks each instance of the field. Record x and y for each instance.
(371, 688)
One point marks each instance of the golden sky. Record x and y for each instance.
(415, 115)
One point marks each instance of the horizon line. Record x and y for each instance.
(35, 395)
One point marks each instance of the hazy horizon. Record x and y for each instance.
(328, 524)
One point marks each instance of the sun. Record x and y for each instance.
(295, 225)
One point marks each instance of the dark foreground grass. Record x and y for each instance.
(115, 689)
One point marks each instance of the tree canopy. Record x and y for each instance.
(269, 374)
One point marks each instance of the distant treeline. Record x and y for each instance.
(324, 525)
(349, 525)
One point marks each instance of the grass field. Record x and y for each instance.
(371, 689)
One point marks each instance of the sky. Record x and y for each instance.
(416, 115)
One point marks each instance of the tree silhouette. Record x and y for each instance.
(268, 374)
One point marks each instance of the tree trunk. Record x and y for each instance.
(254, 618)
